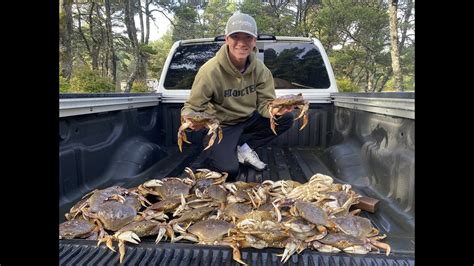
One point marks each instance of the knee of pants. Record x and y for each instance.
(285, 121)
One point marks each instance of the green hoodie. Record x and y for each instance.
(219, 88)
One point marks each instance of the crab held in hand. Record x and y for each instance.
(198, 120)
(285, 102)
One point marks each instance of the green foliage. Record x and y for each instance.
(162, 48)
(270, 20)
(147, 49)
(408, 84)
(355, 35)
(89, 81)
(64, 85)
(346, 85)
(215, 17)
(187, 25)
(361, 31)
(139, 87)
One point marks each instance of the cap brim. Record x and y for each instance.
(244, 31)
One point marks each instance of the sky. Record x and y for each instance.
(157, 28)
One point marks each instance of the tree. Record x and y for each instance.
(395, 55)
(65, 36)
(139, 71)
(162, 48)
(359, 30)
(110, 45)
(215, 16)
(302, 21)
(186, 24)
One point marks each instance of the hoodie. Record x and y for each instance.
(220, 89)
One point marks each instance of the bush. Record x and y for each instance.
(408, 83)
(90, 81)
(345, 85)
(64, 85)
(139, 87)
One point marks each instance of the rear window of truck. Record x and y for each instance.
(293, 65)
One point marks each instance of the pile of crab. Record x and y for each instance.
(203, 208)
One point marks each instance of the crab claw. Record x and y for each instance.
(181, 207)
(277, 211)
(290, 249)
(236, 254)
(128, 236)
(231, 187)
(381, 245)
(153, 183)
(357, 249)
(190, 172)
(108, 242)
(161, 233)
(116, 197)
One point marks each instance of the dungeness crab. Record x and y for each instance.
(287, 101)
(199, 119)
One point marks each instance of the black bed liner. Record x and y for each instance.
(83, 252)
(297, 163)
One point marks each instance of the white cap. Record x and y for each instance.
(240, 22)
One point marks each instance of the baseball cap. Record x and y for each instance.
(241, 22)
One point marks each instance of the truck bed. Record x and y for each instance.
(296, 163)
(362, 140)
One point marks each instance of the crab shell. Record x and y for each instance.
(198, 118)
(210, 230)
(168, 188)
(237, 210)
(114, 215)
(311, 213)
(289, 100)
(341, 240)
(99, 197)
(77, 228)
(356, 226)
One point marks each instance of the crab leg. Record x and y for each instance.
(272, 119)
(323, 232)
(220, 134)
(108, 242)
(381, 245)
(125, 236)
(182, 135)
(304, 113)
(277, 211)
(211, 140)
(236, 254)
(121, 245)
(356, 250)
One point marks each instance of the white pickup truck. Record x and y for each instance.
(362, 139)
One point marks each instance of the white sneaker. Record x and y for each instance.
(239, 156)
(250, 157)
